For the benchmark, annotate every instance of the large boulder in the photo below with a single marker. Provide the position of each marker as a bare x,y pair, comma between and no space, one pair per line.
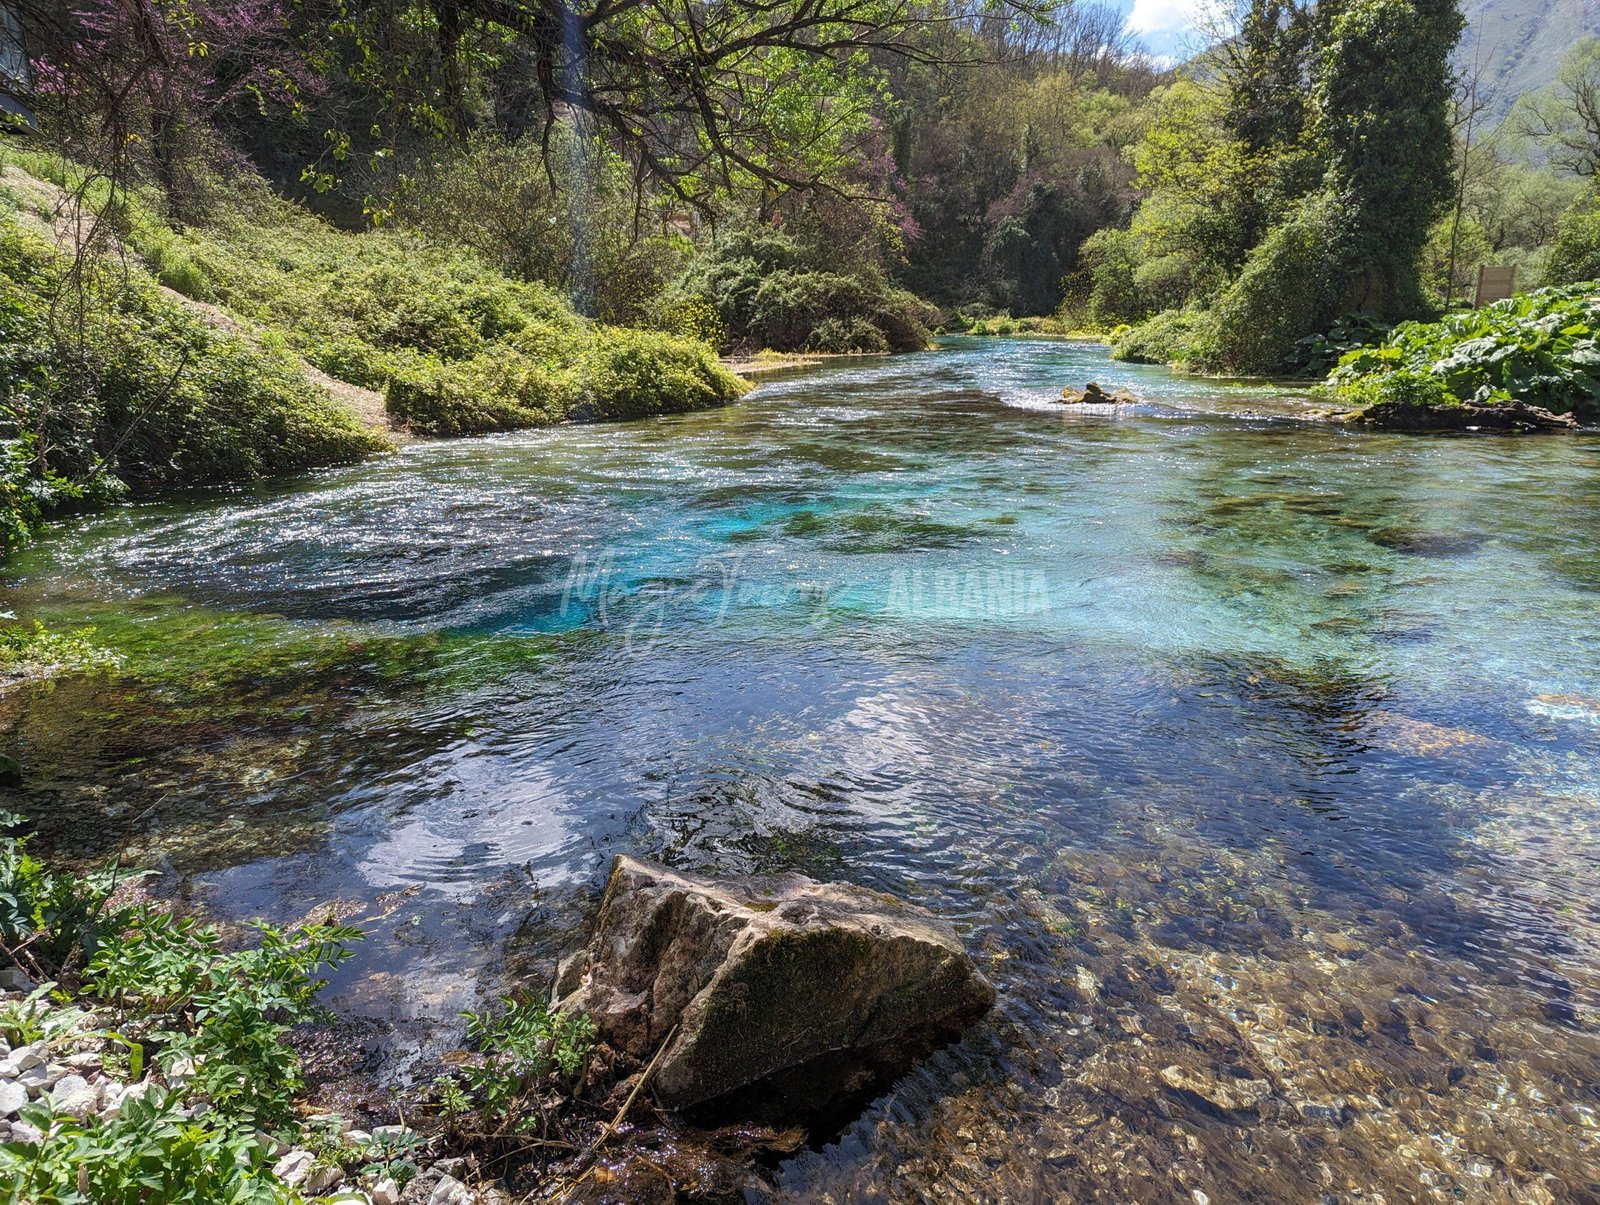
788,996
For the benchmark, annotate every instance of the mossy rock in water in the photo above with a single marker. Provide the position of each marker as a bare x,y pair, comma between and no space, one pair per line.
1500,417
786,998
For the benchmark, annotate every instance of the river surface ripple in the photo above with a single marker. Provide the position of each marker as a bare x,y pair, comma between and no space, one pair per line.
1256,760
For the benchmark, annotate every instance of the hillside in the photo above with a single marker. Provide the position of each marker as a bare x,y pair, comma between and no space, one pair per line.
1520,43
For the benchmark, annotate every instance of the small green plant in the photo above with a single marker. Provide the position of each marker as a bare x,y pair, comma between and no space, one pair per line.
526,1056
49,921
36,1017
149,1151
220,1017
391,1154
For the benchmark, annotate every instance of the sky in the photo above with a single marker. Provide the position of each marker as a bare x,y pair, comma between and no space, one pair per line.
1166,27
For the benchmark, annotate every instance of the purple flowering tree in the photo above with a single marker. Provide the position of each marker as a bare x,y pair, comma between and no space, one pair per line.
148,82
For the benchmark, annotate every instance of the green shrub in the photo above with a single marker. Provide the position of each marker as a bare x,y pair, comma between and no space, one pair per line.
523,1052
844,335
50,921
767,294
1542,348
125,388
501,392
636,374
149,1151
1294,284
548,375
1575,255
1175,337
222,1014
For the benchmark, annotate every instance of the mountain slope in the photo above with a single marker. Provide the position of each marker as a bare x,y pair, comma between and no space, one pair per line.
1519,44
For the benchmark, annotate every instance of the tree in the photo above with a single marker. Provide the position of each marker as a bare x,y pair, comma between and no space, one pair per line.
152,79
1565,117
1382,102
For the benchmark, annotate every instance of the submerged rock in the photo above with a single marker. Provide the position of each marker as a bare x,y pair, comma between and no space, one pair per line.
784,995
1092,395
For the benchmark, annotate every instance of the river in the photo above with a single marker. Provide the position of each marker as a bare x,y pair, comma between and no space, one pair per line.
1255,759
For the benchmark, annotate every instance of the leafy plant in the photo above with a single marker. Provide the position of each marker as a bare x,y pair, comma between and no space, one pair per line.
526,1053
1317,354
149,1151
49,920
1542,348
221,1017
392,1154
36,1017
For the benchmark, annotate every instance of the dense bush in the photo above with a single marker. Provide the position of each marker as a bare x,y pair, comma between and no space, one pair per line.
107,386
1177,337
767,293
1294,284
1575,255
1542,348
599,374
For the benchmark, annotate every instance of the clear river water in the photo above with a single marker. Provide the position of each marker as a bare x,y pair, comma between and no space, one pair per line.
1257,760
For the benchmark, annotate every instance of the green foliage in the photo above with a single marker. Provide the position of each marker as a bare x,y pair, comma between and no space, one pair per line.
1177,337
1294,177
593,374
636,374
37,1017
50,920
1542,348
525,1053
457,347
566,215
106,387
1292,285
1316,355
149,1151
1575,256
1381,96
24,647
221,1014
767,293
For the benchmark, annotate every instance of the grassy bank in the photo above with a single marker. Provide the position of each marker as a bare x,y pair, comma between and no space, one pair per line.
116,386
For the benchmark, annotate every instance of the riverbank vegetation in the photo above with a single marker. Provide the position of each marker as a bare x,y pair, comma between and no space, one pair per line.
147,1054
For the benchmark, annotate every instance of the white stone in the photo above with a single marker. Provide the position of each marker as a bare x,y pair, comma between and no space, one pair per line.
39,1078
21,1131
73,1094
294,1167
450,1191
84,1060
357,1138
321,1177
389,1132
12,1097
24,1057
386,1191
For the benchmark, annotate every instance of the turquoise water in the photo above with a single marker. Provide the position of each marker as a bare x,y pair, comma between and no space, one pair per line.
1256,759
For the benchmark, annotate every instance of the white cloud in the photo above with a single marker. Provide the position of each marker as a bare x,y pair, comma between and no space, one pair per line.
1166,16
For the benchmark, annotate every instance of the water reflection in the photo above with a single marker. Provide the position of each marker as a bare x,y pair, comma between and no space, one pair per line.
1256,760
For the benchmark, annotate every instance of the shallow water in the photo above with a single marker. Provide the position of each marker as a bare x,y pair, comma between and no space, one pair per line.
1256,760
